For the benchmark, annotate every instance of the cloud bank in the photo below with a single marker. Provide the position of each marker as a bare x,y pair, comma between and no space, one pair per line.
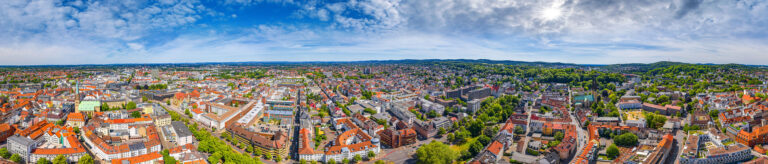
578,31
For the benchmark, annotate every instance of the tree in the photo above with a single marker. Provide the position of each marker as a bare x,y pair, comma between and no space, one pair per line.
60,159
43,161
484,140
358,158
144,99
519,130
332,161
371,155
130,105
4,153
345,161
302,161
136,114
532,152
476,128
432,114
257,152
476,148
626,140
379,162
441,131
85,159
278,158
559,136
435,152
16,158
612,151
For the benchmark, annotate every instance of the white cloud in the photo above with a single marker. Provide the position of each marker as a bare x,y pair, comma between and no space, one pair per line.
580,31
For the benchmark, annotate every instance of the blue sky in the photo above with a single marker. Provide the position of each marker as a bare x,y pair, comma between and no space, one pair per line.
574,31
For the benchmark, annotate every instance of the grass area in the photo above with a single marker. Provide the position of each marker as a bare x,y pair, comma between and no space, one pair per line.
465,146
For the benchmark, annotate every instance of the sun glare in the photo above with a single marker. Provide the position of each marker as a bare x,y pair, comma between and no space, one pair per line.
551,13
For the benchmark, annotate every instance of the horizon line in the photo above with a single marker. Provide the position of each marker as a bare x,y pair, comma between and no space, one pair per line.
354,61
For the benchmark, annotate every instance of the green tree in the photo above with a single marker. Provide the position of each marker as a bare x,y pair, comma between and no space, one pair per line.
43,161
441,131
484,140
371,155
358,158
435,153
16,158
612,151
345,161
476,148
60,122
332,161
559,136
136,114
626,140
130,105
476,128
278,158
379,162
532,152
519,130
302,161
60,159
4,153
144,99
85,159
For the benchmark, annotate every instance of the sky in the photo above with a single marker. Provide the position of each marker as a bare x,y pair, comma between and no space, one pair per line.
62,32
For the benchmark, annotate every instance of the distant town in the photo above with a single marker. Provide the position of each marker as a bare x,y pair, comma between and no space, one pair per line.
408,111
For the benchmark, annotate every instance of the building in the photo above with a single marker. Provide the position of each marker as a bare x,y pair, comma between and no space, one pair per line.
76,120
703,147
88,107
22,146
149,158
351,143
275,145
630,104
6,130
306,152
661,151
397,138
183,135
665,110
759,135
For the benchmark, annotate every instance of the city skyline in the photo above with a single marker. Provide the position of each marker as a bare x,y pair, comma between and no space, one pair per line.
71,32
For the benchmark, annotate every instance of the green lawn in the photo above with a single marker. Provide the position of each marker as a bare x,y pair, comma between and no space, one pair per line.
465,146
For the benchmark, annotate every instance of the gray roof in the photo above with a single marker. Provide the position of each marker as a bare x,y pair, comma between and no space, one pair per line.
21,140
181,129
136,146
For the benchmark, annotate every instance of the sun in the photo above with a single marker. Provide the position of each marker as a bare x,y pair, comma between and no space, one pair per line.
551,13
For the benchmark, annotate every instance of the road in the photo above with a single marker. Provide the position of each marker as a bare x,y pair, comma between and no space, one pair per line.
582,134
